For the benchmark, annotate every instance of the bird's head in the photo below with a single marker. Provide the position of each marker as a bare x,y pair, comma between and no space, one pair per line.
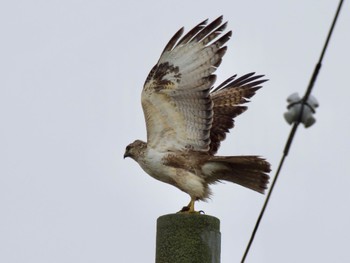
135,150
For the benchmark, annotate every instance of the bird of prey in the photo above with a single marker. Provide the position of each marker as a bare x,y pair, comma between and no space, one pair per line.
187,117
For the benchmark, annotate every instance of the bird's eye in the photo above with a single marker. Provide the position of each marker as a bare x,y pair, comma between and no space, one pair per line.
127,148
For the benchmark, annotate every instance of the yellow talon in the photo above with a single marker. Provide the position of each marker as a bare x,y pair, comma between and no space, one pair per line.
190,208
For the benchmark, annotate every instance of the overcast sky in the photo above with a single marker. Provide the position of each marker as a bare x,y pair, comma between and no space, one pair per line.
71,74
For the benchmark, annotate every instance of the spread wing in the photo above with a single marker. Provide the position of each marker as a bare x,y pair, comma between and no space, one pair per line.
227,104
176,101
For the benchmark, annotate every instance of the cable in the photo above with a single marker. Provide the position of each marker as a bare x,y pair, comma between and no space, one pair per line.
293,130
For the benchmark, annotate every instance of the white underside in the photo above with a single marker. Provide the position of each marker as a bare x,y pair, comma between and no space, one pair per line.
152,163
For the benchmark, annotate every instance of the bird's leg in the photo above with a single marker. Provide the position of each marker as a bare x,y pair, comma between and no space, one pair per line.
189,208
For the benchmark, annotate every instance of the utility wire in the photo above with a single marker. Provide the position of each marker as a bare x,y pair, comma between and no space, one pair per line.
293,130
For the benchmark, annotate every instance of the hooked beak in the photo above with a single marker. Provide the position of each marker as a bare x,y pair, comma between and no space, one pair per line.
126,154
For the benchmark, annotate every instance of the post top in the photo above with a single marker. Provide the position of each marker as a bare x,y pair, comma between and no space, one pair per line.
190,220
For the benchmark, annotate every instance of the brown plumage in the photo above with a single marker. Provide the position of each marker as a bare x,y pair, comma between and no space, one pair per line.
187,118
227,99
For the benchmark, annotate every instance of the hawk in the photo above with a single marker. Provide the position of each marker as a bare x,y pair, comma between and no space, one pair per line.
187,117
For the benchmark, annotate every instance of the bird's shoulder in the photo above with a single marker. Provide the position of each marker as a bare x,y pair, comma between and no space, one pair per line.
185,159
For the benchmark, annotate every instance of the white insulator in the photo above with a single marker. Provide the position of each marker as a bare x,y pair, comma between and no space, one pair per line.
295,107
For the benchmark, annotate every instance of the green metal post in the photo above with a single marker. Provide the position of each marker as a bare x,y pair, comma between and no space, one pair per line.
188,238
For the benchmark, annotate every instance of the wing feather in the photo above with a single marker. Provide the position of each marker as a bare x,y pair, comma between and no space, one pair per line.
227,104
176,98
173,40
209,30
192,33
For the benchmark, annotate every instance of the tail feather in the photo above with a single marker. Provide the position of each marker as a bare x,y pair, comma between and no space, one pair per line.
248,171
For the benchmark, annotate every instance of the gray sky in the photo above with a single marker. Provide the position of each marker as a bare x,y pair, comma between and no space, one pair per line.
71,78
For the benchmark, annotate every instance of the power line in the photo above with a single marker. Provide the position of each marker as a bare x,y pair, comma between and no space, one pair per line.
293,130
